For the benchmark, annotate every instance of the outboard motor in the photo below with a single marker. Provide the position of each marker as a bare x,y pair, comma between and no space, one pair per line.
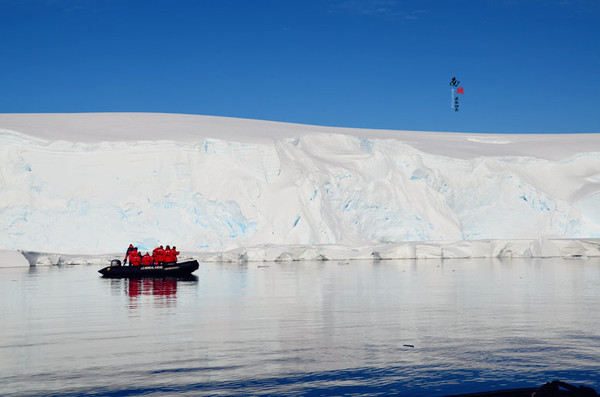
115,262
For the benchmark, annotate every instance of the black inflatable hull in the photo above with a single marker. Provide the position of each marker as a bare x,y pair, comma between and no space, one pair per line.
178,269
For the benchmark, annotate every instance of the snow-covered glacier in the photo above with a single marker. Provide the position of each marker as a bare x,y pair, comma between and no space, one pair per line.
93,183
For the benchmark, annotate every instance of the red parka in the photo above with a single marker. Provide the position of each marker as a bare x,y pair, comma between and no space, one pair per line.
135,259
128,253
174,254
146,260
171,255
159,255
168,255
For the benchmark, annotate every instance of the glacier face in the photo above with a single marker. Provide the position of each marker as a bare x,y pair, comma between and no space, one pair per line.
309,188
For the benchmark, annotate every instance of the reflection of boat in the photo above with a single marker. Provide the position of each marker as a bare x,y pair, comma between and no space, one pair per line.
177,269
158,286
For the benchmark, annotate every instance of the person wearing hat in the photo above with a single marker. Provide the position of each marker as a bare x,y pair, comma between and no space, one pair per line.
146,260
158,255
174,253
135,258
128,254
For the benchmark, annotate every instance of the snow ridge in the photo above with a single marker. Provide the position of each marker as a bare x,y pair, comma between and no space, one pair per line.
276,184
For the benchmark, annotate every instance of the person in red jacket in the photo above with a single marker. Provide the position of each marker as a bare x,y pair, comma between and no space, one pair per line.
135,258
133,255
168,255
175,253
146,260
128,254
159,255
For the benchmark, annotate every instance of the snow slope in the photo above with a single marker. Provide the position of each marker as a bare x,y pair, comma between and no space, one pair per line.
92,183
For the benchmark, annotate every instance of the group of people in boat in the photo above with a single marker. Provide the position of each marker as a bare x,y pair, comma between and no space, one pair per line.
159,256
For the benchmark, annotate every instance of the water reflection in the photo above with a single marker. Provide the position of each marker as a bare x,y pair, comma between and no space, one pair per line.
151,286
162,291
302,328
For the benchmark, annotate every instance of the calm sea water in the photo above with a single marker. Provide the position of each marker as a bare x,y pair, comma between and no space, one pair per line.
306,329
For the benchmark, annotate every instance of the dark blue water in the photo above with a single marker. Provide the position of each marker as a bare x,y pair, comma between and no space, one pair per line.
306,329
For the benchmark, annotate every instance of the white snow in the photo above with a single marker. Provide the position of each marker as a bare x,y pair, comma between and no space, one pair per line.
244,189
12,259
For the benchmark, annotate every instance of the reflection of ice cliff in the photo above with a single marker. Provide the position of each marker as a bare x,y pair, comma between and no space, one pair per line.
93,183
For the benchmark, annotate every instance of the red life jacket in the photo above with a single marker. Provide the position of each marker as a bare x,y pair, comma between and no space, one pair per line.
146,260
160,255
168,255
128,253
136,260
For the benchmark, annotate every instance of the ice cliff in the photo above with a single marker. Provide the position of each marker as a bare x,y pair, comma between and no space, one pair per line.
93,183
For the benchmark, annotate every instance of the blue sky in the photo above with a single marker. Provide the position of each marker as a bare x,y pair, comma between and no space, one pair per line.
526,66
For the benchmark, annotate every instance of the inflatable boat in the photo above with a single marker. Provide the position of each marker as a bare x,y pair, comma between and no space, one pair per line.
176,269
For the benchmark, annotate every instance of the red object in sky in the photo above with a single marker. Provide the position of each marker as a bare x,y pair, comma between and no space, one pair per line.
459,90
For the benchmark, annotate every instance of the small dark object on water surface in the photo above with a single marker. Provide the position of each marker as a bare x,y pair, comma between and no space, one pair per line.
411,346
558,388
550,389
174,269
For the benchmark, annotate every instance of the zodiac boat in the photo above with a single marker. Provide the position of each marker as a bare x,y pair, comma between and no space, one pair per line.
175,269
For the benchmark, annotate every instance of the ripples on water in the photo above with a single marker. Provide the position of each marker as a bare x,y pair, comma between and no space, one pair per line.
303,328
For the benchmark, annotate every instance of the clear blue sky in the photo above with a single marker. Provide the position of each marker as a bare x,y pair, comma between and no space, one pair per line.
526,66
